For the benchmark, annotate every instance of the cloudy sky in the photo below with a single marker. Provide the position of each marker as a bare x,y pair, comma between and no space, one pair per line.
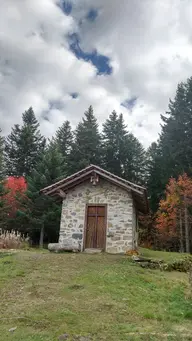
61,56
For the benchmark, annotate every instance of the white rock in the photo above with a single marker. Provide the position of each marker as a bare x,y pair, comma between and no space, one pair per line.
12,329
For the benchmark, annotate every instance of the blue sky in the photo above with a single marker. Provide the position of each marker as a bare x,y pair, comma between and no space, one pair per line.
66,7
101,62
62,56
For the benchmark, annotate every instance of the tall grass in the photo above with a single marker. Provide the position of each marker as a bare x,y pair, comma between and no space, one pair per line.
13,240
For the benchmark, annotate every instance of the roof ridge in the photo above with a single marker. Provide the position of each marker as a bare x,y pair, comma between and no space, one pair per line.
118,177
86,169
68,177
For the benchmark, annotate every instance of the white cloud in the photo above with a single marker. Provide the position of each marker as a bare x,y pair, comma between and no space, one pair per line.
148,43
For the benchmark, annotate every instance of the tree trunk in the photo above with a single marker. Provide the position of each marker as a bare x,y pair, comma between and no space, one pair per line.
181,231
186,228
41,237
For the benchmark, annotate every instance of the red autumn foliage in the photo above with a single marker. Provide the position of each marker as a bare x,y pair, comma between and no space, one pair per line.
178,194
167,215
15,190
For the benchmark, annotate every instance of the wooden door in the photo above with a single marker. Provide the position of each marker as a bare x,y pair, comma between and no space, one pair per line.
96,227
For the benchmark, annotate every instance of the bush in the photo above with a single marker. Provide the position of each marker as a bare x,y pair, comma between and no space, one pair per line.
181,265
13,240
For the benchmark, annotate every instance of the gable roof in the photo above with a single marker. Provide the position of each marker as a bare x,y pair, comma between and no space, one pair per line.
139,193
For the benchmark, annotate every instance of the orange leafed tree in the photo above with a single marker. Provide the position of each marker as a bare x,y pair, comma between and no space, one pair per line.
173,219
15,189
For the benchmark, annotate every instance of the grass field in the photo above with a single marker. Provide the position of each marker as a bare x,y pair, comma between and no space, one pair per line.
101,297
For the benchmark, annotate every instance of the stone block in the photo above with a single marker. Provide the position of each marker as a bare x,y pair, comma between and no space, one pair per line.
77,235
112,250
109,244
67,246
127,237
110,234
115,238
113,197
128,225
119,242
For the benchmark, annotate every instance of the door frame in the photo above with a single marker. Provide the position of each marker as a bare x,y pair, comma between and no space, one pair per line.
86,221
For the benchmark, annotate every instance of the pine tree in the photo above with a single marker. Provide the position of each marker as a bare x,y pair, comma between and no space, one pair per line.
24,146
43,212
176,135
4,206
64,140
173,152
134,163
123,154
113,138
86,148
154,175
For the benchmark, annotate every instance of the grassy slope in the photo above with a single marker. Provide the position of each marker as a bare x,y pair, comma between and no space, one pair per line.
165,256
105,296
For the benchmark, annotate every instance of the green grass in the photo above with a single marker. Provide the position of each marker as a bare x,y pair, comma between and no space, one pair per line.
105,297
165,256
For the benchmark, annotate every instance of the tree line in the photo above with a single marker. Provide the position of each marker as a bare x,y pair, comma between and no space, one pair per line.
26,153
169,161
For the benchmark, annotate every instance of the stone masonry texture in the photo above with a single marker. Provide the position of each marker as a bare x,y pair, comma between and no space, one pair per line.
120,232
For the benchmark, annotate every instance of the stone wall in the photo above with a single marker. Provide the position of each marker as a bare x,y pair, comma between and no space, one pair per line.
119,215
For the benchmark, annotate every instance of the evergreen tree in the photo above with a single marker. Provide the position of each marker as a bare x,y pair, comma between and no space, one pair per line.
123,154
114,137
154,175
64,139
134,163
43,212
172,155
176,135
4,206
86,148
24,146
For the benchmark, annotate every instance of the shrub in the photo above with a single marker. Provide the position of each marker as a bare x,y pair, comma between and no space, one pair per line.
132,252
181,265
13,240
